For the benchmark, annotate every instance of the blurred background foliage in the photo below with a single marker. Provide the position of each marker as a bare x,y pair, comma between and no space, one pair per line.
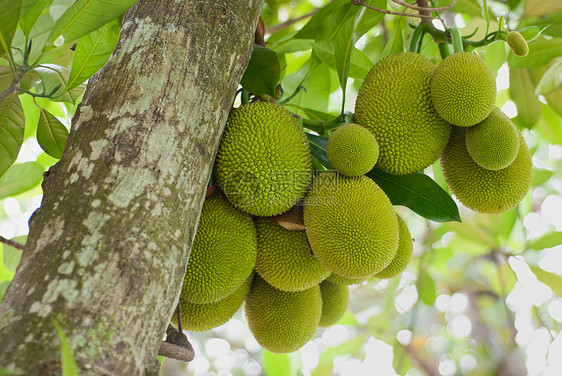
481,297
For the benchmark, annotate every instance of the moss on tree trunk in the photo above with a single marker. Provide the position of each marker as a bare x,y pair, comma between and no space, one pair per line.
107,250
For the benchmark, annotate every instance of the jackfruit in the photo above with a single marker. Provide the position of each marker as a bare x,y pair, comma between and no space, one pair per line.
264,164
282,321
198,317
482,190
335,299
493,144
403,255
339,280
351,225
517,43
395,104
285,260
463,89
352,150
223,254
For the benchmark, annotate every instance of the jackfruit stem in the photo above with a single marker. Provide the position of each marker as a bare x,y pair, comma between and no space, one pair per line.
417,38
444,49
323,126
457,39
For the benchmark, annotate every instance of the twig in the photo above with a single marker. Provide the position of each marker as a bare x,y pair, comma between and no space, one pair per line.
418,8
176,346
414,15
12,243
290,22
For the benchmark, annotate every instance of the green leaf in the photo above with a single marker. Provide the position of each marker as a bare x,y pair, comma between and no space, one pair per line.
322,20
541,52
521,91
263,72
92,52
12,256
6,77
419,193
531,33
346,37
551,79
53,76
318,149
426,288
484,12
396,42
31,11
85,16
69,367
359,64
554,281
19,178
51,134
5,371
9,15
541,176
548,240
12,122
280,364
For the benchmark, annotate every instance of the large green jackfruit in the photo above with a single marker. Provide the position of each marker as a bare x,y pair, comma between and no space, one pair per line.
264,164
493,143
403,255
394,103
339,280
223,254
198,317
335,299
282,321
352,150
285,260
463,89
482,190
351,225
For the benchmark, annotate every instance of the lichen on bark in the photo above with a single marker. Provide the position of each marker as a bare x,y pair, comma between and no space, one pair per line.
107,250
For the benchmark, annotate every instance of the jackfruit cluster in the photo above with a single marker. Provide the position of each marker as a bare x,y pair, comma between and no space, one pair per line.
409,113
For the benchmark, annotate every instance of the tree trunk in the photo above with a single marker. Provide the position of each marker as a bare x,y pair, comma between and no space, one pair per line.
107,250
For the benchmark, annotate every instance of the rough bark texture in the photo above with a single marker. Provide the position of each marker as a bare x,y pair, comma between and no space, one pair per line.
107,250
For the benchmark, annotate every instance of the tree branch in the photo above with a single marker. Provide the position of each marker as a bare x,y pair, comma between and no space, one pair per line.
414,15
419,8
290,22
12,243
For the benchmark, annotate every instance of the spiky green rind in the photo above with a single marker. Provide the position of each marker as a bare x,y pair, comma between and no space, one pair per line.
352,150
335,299
264,164
395,104
223,254
403,255
199,317
285,260
463,89
282,321
493,143
350,224
517,43
339,280
482,190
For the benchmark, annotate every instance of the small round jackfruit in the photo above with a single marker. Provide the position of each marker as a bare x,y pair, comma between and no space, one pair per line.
352,150
350,224
493,143
517,43
282,321
285,260
223,254
264,164
402,259
395,104
199,317
482,190
335,299
463,89
339,280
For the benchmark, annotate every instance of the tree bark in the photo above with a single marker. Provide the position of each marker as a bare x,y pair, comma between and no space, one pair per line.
107,250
